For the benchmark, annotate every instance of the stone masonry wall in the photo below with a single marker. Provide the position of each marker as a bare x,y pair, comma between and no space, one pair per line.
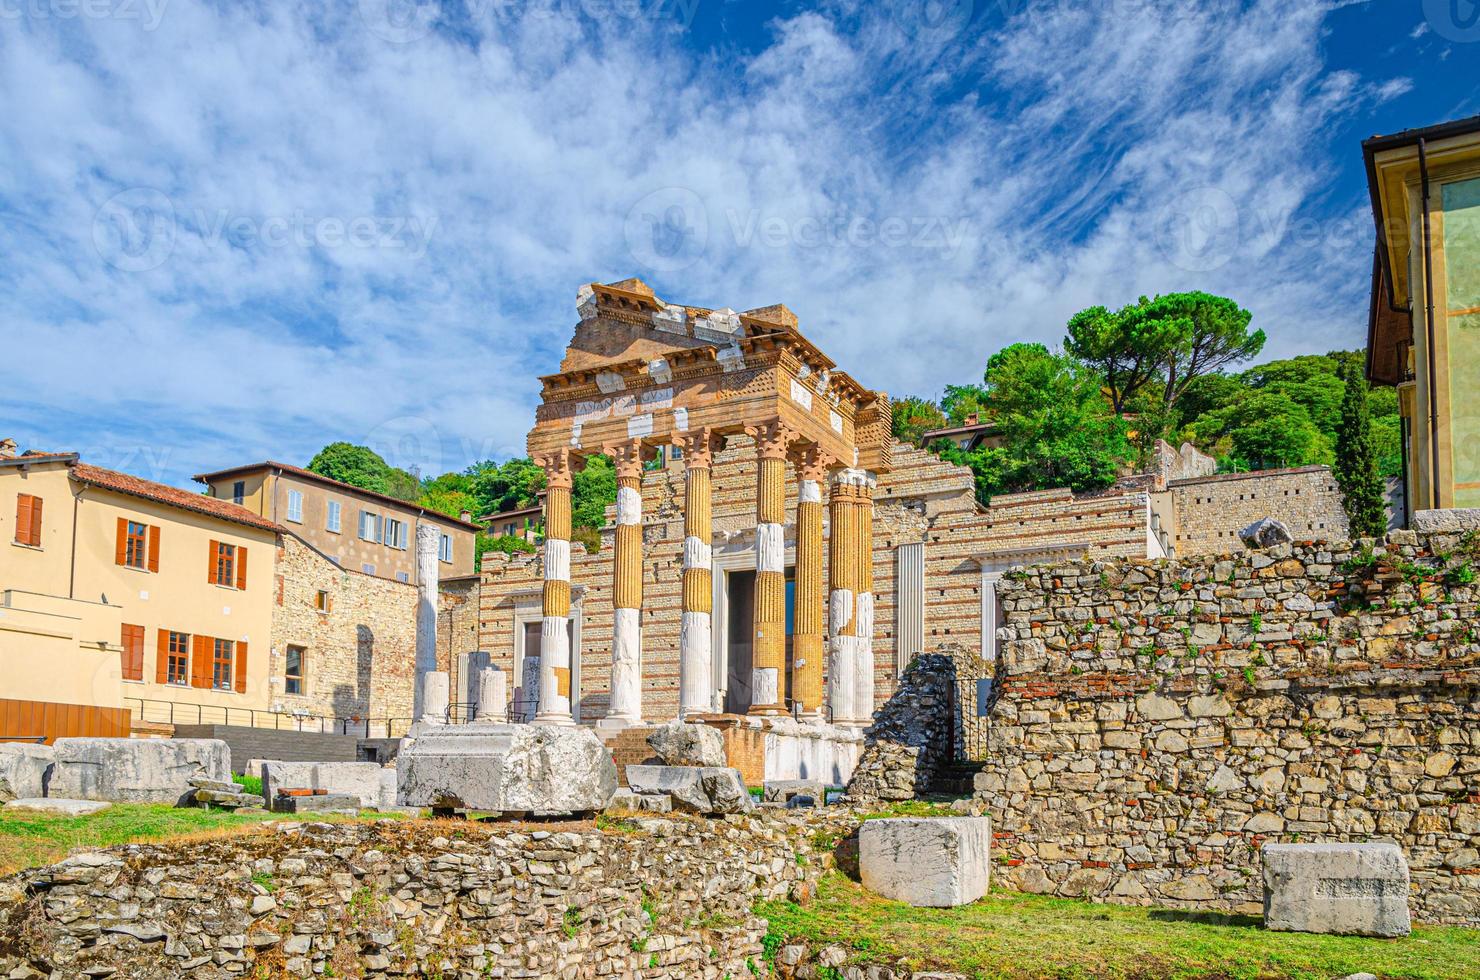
1211,510
360,653
667,898
923,500
1157,722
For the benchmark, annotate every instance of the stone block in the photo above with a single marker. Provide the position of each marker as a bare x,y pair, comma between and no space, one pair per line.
782,790
1266,533
23,769
324,803
625,799
362,780
1344,889
507,769
937,862
61,807
698,789
679,743
136,770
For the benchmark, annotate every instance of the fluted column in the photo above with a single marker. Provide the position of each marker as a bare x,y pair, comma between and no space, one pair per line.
863,529
843,574
555,692
768,650
696,652
806,640
626,683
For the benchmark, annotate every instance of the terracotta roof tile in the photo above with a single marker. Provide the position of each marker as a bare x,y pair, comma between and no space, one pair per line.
173,496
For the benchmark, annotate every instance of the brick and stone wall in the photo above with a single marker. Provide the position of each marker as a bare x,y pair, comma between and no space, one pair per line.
360,652
657,899
922,501
1157,722
1211,510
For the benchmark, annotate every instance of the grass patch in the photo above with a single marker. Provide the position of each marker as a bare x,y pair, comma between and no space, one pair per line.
249,784
28,840
1010,935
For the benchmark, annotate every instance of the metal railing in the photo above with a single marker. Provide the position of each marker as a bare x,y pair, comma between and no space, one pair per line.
185,713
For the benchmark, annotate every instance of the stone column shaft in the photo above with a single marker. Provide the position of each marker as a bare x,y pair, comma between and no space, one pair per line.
863,529
428,537
626,676
842,630
555,687
806,640
696,664
768,648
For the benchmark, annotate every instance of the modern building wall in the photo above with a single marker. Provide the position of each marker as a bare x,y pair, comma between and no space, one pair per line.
59,650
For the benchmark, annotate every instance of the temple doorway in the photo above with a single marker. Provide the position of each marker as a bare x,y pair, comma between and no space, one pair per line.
739,596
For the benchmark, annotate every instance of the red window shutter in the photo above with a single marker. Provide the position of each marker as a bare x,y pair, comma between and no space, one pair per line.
215,549
200,662
162,658
239,664
133,652
35,529
153,548
23,518
120,544
241,567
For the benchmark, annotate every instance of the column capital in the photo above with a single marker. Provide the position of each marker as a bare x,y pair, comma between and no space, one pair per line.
813,463
559,467
771,438
699,447
628,457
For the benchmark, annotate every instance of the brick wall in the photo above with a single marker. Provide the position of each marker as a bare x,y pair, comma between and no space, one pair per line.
922,500
1157,722
1210,511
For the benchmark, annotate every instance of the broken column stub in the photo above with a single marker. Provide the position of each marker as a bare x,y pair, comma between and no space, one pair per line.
506,768
697,789
1344,889
681,743
934,862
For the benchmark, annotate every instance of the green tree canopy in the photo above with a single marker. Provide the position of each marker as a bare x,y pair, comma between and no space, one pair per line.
593,490
1131,347
960,402
363,467
913,417
1356,459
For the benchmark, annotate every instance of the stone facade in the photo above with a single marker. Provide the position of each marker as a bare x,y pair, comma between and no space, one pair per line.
659,898
912,737
922,502
1207,512
1157,722
358,640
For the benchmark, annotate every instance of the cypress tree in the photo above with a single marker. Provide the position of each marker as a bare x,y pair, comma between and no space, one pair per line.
1362,490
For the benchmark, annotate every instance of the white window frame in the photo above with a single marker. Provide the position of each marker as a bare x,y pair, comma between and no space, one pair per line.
375,526
444,548
295,506
395,533
333,517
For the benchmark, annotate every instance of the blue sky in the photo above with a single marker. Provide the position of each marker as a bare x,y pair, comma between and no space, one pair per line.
232,231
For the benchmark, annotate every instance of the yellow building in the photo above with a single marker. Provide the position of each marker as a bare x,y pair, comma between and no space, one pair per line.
119,591
1424,325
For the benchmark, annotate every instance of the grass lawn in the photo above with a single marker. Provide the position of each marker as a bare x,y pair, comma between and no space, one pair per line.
31,839
1013,935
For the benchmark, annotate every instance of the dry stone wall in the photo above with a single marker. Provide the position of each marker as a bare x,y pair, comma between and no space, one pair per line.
1157,722
668,898
1209,511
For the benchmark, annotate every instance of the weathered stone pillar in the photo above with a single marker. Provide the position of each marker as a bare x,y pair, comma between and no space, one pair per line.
428,537
806,640
863,529
436,687
555,692
493,695
626,676
843,573
696,664
768,649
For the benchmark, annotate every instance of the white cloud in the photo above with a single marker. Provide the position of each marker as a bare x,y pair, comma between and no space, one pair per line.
919,192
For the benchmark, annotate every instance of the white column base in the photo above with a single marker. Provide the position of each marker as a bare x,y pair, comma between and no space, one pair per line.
554,707
695,666
626,700
841,670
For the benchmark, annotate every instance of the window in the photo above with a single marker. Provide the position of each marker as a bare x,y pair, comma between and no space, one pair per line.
368,568
221,665
293,675
322,602
135,543
295,506
133,652
395,533
369,526
28,520
403,577
331,523
227,566
509,528
176,668
444,548
239,491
